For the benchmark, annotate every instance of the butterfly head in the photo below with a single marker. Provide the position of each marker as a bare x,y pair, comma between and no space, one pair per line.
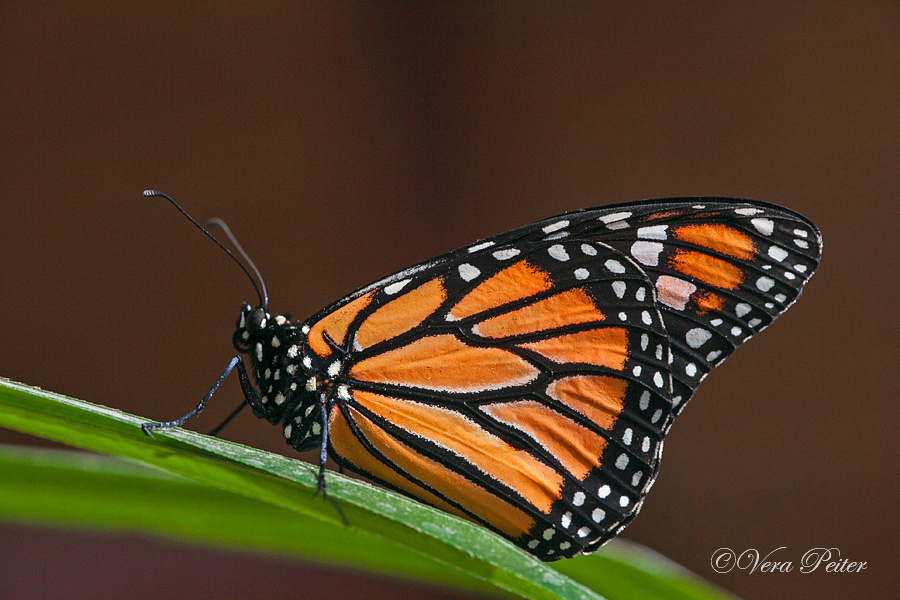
251,325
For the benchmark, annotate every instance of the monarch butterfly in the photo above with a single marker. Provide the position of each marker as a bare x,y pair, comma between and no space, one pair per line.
527,381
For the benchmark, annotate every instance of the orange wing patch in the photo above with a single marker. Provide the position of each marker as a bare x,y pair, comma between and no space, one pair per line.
708,301
335,324
444,363
512,283
577,448
607,347
707,269
535,481
567,308
499,513
401,314
598,397
345,444
721,238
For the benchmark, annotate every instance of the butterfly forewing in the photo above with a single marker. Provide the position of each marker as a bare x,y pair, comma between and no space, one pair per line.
527,381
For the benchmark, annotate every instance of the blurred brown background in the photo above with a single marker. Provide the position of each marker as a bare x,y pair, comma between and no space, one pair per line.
345,141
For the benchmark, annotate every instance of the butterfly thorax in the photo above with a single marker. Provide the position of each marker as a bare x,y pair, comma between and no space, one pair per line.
284,374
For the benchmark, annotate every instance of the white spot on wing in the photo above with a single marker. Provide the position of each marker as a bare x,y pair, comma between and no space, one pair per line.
396,287
647,253
742,309
334,368
764,226
615,217
697,337
765,283
468,272
778,253
581,274
801,243
556,226
506,254
747,212
480,246
619,288
578,498
644,402
674,292
653,232
589,250
558,252
614,266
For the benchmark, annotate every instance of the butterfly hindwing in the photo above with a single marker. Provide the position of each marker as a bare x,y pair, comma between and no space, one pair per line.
527,381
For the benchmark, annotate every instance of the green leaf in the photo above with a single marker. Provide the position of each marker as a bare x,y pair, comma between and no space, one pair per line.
231,495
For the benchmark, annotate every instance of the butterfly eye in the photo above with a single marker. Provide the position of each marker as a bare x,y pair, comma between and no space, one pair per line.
256,321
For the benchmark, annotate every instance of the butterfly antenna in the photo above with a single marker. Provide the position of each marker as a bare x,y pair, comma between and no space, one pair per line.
263,299
216,222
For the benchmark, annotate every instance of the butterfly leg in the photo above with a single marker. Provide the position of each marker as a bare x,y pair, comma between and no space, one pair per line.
321,486
251,395
150,426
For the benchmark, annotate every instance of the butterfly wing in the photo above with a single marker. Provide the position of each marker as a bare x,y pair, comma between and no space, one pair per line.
527,381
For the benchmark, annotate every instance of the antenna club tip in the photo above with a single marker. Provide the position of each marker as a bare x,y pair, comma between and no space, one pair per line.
151,193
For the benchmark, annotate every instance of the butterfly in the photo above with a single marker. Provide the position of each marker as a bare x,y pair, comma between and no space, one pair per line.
527,381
